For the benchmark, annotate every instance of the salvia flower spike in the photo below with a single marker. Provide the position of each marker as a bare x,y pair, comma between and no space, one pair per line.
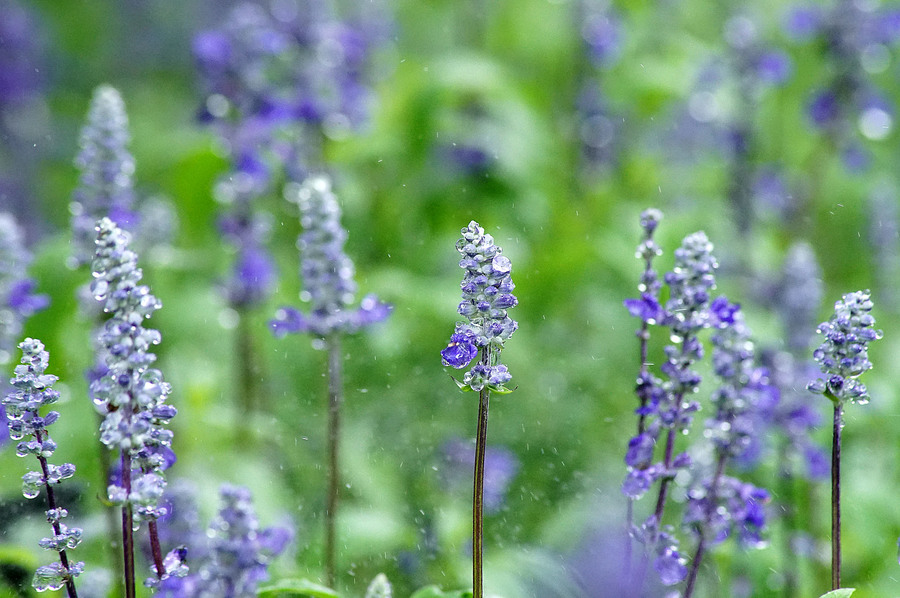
32,390
328,273
842,357
131,395
17,300
486,296
105,185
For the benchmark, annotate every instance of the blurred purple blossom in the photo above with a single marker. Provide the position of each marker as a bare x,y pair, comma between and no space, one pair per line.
106,172
231,558
293,73
500,467
327,272
17,299
847,106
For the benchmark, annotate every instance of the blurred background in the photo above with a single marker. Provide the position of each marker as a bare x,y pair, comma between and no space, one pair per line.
553,123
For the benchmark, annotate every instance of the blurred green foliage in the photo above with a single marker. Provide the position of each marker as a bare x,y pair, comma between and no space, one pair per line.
570,233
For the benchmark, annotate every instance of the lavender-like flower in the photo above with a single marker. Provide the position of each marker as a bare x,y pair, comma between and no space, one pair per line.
17,299
719,504
843,357
326,270
131,395
598,129
232,558
105,185
23,44
329,287
848,104
487,295
276,81
500,467
665,404
32,390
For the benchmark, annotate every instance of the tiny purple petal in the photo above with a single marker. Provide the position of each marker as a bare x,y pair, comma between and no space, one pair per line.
459,354
288,319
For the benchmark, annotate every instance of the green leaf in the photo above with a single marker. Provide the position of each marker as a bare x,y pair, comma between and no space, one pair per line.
296,588
839,593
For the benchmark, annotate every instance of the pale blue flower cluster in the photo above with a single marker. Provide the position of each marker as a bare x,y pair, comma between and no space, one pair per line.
131,395
105,184
32,390
844,354
487,295
17,300
327,272
231,558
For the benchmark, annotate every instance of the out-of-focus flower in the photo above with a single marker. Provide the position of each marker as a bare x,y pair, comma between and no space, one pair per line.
105,184
500,467
231,558
17,299
327,272
847,106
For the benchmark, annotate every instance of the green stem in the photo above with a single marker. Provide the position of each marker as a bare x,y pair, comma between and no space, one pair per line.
127,527
836,497
789,521
478,498
704,526
112,527
335,397
246,360
57,529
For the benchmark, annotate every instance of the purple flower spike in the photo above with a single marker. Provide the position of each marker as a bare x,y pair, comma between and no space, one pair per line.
32,391
327,272
130,394
105,186
487,295
17,301
843,356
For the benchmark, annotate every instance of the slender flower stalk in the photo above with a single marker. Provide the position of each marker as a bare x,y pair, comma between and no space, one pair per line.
649,288
719,505
32,389
487,295
105,189
668,409
330,289
843,356
335,398
131,395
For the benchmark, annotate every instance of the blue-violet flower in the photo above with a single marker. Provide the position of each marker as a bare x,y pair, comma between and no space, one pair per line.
327,272
486,296
131,395
843,356
32,390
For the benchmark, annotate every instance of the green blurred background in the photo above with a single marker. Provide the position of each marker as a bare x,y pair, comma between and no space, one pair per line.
504,76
